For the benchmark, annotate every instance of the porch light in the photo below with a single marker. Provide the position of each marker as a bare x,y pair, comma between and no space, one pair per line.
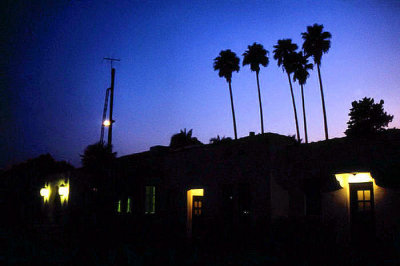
347,178
63,191
45,193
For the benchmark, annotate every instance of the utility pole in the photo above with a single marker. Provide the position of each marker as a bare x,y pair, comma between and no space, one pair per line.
111,100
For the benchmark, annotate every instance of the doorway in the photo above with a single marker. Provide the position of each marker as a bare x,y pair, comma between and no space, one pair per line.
362,212
195,212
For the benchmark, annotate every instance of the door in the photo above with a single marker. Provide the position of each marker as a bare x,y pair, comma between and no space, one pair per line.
197,216
362,212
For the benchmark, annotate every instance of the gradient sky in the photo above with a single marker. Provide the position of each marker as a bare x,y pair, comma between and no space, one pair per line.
55,79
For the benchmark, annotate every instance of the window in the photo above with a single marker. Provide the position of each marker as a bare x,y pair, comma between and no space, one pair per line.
119,206
128,206
150,200
363,200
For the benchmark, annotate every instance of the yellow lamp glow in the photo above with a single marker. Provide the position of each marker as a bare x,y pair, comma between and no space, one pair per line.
106,123
45,193
63,191
190,194
346,178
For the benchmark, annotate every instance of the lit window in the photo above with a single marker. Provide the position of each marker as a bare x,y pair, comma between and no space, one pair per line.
363,200
119,206
128,206
150,200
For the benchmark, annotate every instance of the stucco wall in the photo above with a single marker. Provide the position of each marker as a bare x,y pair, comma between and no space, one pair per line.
336,210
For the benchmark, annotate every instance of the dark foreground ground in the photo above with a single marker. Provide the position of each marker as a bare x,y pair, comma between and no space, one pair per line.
52,245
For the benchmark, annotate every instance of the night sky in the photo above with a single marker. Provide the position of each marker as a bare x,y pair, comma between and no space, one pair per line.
53,76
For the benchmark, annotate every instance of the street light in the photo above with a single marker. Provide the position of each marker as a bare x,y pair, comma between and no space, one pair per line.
106,123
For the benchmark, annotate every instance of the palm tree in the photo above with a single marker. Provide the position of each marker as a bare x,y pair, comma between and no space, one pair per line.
284,52
255,56
316,43
226,63
301,74
183,139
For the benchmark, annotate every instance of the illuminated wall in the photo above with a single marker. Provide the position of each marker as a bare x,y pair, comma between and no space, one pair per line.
190,194
336,204
358,177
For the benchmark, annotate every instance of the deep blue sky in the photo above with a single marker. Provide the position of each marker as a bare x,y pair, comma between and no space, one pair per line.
55,79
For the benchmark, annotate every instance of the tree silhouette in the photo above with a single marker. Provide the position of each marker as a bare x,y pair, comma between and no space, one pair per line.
183,139
301,74
97,157
255,56
285,54
316,43
226,63
367,118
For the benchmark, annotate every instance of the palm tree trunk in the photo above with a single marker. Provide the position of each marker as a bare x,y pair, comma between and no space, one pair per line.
304,114
233,110
259,100
294,108
323,103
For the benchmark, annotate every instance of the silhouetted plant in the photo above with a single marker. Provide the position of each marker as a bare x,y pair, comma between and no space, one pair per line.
285,54
226,63
316,43
255,56
219,140
183,139
97,157
367,118
301,74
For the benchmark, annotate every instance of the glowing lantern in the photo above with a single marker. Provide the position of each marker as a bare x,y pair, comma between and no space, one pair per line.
45,193
63,191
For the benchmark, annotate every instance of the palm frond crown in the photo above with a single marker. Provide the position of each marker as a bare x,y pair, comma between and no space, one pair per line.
301,66
316,42
282,53
255,55
226,63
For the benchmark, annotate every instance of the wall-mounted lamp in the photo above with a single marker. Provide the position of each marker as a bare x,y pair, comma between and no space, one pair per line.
63,191
45,193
